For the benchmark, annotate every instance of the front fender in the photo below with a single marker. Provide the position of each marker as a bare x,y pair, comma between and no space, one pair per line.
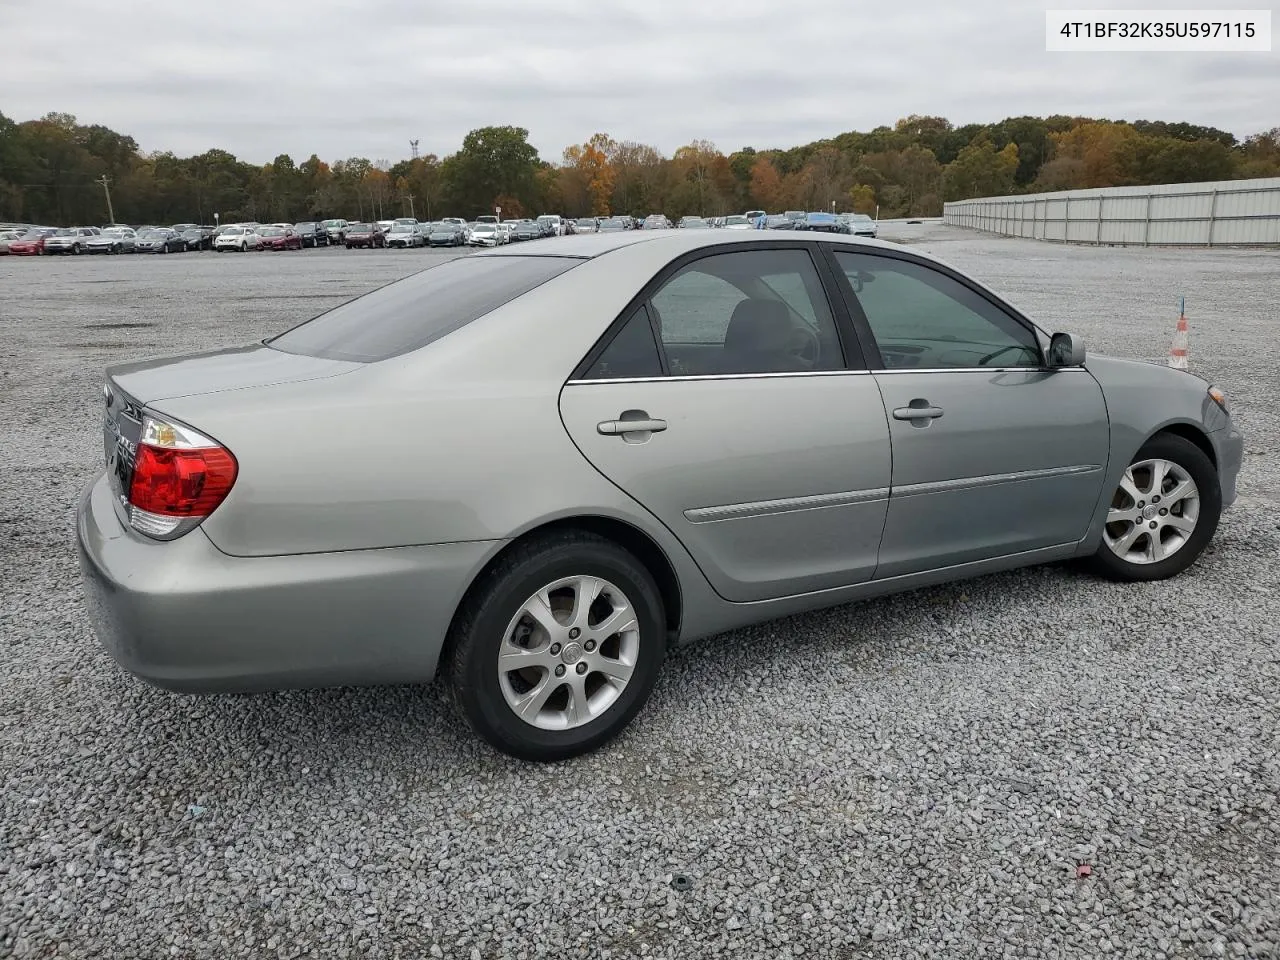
1142,400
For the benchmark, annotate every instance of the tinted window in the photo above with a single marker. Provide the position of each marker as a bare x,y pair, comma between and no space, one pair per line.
759,311
923,318
413,312
632,353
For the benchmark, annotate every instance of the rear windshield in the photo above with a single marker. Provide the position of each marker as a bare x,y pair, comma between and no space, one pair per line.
419,309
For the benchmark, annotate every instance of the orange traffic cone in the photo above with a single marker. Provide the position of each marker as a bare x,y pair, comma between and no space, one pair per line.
1178,352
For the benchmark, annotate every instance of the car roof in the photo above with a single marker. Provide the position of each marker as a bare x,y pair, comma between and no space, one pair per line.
589,245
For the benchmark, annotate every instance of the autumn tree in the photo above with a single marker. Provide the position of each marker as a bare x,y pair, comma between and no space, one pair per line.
1106,153
641,178
981,171
766,185
1260,155
694,165
862,198
589,176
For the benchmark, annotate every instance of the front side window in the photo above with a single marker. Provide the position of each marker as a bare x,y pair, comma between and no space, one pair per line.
757,311
923,319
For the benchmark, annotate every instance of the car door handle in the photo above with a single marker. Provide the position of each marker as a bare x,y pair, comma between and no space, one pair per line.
921,412
615,428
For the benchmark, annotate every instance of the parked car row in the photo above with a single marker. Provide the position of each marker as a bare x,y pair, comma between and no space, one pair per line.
401,233
114,238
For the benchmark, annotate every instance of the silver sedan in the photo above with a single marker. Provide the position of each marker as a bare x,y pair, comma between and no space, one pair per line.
535,474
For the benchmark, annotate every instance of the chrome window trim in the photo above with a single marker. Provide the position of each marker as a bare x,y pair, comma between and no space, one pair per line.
824,373
765,508
723,376
1036,369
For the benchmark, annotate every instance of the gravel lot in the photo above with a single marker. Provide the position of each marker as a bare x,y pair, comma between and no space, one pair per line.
921,776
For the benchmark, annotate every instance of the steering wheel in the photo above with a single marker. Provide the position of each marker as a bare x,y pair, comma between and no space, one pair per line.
991,356
805,345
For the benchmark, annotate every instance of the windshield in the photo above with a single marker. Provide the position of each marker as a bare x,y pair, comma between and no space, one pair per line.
271,232
233,231
419,309
146,234
402,228
587,222
65,232
359,228
737,219
334,223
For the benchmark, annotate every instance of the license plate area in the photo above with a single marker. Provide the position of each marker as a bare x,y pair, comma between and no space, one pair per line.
121,429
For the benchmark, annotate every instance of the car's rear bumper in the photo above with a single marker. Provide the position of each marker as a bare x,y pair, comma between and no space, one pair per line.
185,616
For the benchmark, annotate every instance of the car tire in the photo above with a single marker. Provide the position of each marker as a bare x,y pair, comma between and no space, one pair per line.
493,618
1132,550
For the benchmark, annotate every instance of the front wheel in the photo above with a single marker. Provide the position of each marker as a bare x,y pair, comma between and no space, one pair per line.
1162,515
558,647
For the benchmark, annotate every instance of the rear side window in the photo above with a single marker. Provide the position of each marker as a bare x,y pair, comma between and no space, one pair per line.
632,353
417,310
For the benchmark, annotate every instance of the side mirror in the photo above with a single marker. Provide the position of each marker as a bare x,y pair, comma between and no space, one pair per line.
1066,350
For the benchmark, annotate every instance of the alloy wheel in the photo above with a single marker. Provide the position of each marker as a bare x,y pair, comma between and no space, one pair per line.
1153,513
569,653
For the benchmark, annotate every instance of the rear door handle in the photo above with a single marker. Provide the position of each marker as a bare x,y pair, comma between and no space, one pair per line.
615,428
921,412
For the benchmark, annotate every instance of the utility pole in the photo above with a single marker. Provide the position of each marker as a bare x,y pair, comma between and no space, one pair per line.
111,215
409,197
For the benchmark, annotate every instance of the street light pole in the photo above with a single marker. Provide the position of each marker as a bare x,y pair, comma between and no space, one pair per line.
409,197
111,214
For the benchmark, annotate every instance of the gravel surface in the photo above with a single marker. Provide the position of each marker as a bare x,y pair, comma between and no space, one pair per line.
1035,764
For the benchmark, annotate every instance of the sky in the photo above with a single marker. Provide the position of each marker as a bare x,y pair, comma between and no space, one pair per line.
345,78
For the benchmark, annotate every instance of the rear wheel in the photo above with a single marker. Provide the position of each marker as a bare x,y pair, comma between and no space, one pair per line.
558,647
1162,515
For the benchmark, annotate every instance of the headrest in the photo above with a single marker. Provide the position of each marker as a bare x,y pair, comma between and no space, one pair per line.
758,326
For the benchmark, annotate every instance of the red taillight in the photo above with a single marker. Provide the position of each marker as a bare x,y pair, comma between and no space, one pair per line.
181,483
179,478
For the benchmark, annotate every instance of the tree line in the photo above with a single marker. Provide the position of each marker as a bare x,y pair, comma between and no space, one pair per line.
51,172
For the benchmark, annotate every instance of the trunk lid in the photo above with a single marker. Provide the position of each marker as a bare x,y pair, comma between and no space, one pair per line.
237,368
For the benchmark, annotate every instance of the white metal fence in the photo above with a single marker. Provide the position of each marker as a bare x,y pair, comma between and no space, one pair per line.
1226,212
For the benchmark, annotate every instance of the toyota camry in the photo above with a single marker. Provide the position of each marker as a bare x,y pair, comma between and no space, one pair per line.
535,473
